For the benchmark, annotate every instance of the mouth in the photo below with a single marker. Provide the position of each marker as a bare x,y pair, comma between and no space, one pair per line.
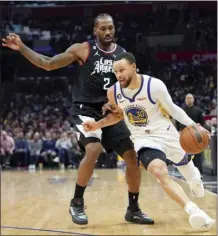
122,81
108,38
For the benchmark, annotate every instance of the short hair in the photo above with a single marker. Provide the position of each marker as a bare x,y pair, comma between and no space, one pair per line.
126,55
100,16
189,94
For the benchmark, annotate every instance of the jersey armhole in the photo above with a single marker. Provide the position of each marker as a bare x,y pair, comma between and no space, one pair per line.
115,93
87,53
149,91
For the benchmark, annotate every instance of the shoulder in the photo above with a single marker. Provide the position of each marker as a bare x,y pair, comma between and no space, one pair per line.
79,51
110,91
154,83
198,109
121,49
76,47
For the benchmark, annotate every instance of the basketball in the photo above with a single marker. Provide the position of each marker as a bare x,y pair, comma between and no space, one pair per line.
194,139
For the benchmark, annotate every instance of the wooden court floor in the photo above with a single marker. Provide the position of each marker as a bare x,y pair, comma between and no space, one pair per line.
37,204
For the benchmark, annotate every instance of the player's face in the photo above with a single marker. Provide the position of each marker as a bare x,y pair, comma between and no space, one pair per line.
189,100
105,30
124,72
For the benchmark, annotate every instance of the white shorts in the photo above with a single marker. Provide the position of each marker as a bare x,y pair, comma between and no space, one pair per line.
164,140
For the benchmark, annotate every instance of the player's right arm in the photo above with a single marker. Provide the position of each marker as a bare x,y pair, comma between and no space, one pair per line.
112,118
72,54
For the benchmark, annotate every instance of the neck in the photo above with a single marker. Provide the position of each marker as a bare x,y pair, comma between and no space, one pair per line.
136,82
105,47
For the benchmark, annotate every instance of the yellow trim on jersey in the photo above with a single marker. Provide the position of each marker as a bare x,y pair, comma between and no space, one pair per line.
163,111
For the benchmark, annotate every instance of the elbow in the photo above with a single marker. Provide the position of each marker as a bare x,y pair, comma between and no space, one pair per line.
47,68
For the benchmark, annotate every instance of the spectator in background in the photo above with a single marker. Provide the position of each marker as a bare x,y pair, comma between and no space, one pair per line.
21,150
196,115
6,150
63,145
75,153
48,148
213,111
35,146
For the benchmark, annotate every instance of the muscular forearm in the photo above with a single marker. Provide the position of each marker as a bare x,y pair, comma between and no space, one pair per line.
34,57
47,63
109,120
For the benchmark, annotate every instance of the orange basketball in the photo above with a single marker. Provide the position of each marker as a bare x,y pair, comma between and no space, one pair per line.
194,139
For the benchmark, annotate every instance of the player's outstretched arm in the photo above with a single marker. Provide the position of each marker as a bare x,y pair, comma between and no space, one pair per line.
14,42
110,119
160,93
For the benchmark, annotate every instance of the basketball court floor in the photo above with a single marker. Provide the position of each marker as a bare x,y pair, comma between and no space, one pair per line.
37,204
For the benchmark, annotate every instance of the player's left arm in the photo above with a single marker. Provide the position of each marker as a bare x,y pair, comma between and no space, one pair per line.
160,93
111,118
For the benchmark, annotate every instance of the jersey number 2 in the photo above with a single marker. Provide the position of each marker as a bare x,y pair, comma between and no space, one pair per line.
106,83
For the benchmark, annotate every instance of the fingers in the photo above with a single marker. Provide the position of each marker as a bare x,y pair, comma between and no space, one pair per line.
10,36
13,35
5,42
209,134
5,45
85,127
105,108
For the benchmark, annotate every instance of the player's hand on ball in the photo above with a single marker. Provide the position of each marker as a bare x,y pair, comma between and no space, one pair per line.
12,41
89,126
202,128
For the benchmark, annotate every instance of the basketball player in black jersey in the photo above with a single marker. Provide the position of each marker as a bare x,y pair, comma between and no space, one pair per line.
89,94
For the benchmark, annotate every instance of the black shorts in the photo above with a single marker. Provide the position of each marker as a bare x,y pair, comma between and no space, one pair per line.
147,155
113,138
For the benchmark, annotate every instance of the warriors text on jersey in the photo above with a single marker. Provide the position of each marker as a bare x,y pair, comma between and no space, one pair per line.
95,77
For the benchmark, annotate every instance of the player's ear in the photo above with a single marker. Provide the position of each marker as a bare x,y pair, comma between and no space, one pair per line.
134,66
94,32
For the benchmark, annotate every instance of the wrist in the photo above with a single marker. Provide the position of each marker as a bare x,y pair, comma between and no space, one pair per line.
100,124
21,47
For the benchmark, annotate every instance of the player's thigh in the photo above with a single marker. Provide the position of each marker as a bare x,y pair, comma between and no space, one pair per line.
87,140
152,158
176,154
117,138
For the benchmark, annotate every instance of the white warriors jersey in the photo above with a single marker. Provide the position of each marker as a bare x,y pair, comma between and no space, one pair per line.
147,120
141,113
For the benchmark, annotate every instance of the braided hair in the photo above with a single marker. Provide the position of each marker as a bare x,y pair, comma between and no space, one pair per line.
100,16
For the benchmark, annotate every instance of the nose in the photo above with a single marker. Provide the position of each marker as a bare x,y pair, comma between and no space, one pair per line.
108,32
118,75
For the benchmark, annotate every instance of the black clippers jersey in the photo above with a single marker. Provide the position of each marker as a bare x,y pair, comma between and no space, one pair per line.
95,76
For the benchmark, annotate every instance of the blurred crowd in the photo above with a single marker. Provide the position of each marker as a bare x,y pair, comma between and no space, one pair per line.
36,127
37,130
197,25
182,77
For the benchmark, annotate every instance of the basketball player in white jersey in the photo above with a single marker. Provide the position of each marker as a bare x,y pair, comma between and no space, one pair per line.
145,105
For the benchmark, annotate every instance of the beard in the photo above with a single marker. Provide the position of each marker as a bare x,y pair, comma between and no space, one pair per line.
106,43
128,82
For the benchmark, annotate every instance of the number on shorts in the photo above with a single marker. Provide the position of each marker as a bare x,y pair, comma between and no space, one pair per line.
106,83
